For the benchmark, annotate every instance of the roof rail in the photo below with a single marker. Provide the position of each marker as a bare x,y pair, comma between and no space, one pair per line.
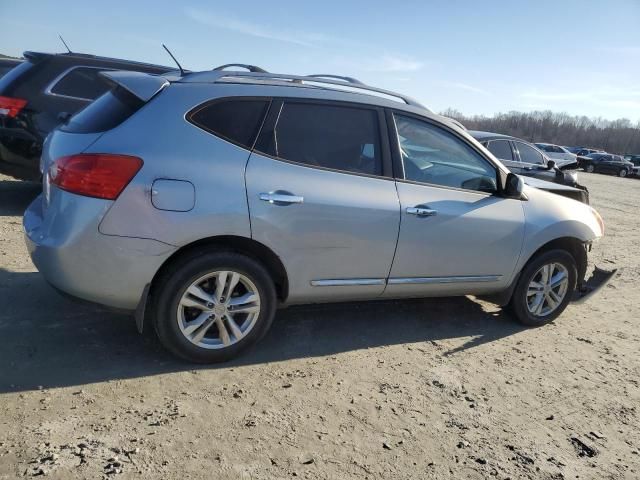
337,77
322,79
251,68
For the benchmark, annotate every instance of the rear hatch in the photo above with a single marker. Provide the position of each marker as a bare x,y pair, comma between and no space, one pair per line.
130,92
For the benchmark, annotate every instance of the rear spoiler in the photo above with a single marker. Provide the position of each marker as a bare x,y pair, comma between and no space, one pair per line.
142,85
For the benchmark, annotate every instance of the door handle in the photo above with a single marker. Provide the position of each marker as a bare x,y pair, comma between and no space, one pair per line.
422,211
281,198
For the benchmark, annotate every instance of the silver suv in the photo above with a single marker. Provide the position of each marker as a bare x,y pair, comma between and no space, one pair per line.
202,202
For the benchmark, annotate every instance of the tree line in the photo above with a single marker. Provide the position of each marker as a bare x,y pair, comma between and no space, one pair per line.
615,136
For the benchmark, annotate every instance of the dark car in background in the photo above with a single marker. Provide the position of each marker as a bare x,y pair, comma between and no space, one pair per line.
44,90
606,163
7,64
522,158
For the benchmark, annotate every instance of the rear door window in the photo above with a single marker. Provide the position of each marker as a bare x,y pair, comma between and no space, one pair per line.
328,136
237,120
83,83
501,149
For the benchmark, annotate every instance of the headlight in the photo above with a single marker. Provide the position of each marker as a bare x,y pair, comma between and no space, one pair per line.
573,175
598,218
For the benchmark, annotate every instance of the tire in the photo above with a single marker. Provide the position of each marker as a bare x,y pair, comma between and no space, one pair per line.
589,168
177,313
622,172
523,300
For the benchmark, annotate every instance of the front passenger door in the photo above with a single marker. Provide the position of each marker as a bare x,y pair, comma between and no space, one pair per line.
456,235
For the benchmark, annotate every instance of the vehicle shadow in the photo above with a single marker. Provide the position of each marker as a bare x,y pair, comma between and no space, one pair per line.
48,341
15,196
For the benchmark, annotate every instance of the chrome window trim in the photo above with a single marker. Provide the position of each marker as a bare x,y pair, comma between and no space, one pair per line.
427,280
347,282
55,81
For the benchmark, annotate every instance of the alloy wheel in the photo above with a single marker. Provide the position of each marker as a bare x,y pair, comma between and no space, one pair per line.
218,309
547,289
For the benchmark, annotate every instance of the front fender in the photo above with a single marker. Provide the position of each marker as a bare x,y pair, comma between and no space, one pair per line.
551,217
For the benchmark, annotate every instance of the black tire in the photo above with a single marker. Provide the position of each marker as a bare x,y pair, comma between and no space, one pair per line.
589,168
177,279
622,172
518,302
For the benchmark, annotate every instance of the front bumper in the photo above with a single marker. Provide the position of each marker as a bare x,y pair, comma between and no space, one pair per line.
66,247
598,280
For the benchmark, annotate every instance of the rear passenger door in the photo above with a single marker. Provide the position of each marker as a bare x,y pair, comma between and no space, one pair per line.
321,195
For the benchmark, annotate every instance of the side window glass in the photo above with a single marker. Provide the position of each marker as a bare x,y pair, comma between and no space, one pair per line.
83,83
235,120
501,149
327,136
432,155
529,154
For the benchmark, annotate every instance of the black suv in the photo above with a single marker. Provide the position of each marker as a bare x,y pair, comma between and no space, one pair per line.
7,64
606,163
41,92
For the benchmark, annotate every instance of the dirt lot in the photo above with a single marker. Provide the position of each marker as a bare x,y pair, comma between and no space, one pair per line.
449,388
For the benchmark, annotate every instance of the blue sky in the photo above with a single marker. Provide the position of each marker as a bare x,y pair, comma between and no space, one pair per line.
577,56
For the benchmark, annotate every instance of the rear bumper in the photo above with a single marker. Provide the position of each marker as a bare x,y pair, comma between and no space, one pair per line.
66,247
20,152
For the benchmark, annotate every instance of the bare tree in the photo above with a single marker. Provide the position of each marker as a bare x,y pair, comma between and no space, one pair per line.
615,136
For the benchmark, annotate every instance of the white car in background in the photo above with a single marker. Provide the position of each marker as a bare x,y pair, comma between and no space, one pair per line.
561,155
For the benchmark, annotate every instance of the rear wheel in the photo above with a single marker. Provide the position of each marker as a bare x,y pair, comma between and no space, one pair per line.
589,168
622,172
544,288
211,306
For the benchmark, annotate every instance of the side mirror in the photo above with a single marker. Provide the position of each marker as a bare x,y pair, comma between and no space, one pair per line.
514,185
551,164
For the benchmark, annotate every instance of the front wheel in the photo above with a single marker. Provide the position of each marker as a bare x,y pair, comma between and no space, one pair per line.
589,168
544,288
622,172
211,306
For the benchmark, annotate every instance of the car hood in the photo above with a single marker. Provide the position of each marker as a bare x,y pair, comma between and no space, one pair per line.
544,185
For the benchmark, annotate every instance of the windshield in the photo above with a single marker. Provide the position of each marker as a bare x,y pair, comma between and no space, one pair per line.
595,155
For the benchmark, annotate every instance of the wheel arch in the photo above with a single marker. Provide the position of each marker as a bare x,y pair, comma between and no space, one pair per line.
574,246
246,246
238,244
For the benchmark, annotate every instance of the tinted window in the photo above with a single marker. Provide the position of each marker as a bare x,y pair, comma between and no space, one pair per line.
528,154
336,137
236,120
82,82
107,112
432,155
501,149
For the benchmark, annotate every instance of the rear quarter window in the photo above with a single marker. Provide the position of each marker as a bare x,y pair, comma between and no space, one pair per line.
236,120
106,113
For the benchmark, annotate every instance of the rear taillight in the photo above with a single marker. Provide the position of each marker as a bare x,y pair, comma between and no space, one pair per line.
99,175
10,107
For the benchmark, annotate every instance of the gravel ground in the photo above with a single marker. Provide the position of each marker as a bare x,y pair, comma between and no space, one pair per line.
441,388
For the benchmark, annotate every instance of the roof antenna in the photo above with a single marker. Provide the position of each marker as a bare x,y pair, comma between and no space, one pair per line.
174,59
65,43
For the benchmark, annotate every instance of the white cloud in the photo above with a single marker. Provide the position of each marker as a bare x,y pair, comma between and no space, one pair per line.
395,63
611,97
468,88
305,39
621,50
